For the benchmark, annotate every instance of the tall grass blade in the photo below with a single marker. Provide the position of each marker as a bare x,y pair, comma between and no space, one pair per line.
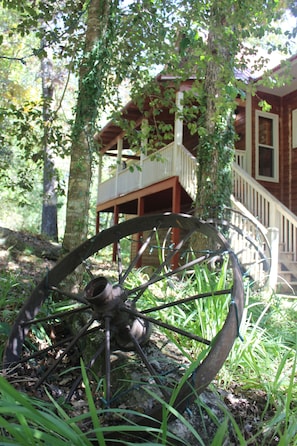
92,407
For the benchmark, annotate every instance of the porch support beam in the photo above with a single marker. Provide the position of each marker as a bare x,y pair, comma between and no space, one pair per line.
97,222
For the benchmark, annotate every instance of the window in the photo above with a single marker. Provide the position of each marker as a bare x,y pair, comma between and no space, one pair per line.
266,146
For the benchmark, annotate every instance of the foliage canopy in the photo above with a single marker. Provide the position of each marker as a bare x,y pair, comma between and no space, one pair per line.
211,40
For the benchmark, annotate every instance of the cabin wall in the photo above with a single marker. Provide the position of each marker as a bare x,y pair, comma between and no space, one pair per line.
275,103
240,121
289,103
286,189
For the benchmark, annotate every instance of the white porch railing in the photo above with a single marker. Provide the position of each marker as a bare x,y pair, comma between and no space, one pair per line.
169,163
270,212
186,170
262,205
240,158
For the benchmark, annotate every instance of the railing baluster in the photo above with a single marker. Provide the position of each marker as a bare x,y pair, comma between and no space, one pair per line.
269,210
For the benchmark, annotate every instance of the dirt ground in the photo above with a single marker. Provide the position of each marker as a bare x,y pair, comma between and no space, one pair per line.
29,257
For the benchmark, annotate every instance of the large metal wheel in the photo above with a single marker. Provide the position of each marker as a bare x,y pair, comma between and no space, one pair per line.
189,286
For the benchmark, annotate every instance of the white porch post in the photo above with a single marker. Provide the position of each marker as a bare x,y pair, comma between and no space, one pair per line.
178,129
273,237
119,163
248,133
100,167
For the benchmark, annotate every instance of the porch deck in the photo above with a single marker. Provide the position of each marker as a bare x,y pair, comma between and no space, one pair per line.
171,161
175,161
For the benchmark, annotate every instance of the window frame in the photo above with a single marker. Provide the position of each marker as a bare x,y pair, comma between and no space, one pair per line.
294,128
275,147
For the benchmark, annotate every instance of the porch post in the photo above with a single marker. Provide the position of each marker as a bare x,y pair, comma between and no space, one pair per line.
140,206
248,133
273,237
178,129
176,194
119,163
97,222
100,168
115,215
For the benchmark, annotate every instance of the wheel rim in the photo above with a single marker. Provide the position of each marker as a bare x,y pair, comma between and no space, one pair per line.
125,312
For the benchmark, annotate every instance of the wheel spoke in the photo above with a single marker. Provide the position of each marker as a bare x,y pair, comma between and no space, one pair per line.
63,354
118,309
77,297
59,315
87,268
186,300
166,263
140,252
55,346
148,365
120,263
168,326
90,364
177,270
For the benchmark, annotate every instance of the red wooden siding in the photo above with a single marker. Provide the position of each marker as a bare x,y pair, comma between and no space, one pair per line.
290,161
275,103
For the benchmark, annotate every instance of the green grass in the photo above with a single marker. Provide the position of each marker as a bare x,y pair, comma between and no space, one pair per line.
265,361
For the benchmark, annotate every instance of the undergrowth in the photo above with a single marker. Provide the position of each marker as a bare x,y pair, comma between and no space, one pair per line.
264,362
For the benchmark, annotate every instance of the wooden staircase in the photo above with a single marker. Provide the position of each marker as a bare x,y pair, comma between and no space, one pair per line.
273,217
263,217
287,273
260,215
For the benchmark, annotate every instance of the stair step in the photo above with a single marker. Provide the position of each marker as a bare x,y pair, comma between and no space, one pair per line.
287,256
288,266
287,274
286,287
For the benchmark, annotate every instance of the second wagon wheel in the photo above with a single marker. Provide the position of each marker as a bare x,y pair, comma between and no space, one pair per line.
188,286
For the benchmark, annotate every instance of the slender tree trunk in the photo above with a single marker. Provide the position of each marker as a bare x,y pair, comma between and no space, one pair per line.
49,226
216,141
90,90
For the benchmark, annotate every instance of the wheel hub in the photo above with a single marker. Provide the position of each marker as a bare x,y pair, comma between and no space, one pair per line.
109,301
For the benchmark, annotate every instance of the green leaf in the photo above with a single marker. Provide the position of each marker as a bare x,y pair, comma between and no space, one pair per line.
92,407
4,328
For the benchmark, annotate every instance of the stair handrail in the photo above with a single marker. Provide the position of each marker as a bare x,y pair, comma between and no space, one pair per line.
270,211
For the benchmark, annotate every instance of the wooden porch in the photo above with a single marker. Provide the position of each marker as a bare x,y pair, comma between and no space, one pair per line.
169,184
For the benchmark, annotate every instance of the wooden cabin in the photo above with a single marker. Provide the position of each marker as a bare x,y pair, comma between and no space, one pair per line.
264,171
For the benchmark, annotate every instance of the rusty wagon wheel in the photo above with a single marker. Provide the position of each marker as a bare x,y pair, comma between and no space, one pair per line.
188,286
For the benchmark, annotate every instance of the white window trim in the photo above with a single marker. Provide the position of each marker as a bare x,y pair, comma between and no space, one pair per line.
275,124
294,128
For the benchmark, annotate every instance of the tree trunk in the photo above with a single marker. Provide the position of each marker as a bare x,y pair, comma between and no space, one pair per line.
49,226
90,91
216,138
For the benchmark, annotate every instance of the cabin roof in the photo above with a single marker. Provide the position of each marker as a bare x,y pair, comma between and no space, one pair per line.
107,137
287,67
